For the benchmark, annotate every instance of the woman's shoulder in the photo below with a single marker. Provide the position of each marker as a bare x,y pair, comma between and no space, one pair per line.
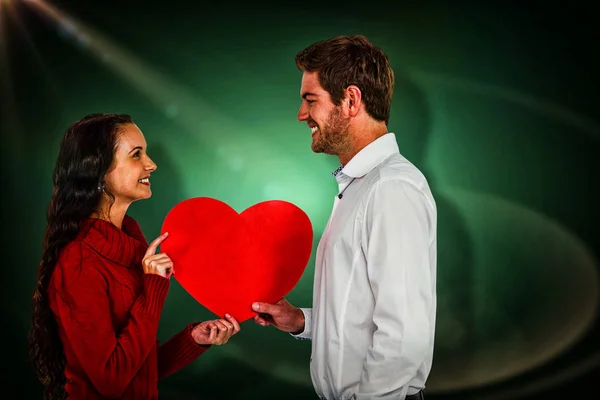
78,257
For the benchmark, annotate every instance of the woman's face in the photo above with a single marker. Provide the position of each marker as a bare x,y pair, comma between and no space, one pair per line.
128,179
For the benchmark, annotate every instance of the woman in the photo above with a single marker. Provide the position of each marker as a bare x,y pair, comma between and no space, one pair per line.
100,287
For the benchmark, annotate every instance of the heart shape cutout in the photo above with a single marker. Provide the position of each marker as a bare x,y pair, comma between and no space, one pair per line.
227,261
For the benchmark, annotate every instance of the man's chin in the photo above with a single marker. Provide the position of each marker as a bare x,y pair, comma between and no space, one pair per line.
317,148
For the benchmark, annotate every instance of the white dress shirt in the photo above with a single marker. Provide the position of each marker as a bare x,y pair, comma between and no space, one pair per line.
374,302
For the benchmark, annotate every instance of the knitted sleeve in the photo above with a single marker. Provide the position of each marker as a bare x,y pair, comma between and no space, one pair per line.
178,352
110,360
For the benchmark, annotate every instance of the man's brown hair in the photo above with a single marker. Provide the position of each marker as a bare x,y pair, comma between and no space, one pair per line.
352,60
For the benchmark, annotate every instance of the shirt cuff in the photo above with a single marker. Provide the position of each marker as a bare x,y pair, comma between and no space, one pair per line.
307,332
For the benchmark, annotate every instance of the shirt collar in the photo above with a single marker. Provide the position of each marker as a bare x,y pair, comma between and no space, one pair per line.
369,157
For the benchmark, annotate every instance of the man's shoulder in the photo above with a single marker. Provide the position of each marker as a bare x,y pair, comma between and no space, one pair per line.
397,168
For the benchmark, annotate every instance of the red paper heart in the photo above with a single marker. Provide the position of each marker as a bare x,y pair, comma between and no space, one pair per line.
227,260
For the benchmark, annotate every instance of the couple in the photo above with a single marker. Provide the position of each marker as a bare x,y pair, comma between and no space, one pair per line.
100,287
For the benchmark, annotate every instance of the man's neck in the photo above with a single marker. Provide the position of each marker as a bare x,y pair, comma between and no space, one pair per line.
361,138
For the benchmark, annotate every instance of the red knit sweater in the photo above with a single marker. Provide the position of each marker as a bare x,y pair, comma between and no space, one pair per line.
108,311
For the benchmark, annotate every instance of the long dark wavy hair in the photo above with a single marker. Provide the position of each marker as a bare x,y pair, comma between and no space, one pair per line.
85,156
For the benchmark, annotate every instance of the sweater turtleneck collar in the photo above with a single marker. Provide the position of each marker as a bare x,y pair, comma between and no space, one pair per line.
124,246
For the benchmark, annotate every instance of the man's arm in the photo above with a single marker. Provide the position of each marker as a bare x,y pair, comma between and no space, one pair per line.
398,228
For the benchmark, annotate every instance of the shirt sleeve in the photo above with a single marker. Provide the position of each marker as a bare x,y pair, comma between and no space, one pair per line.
307,332
110,360
398,233
178,352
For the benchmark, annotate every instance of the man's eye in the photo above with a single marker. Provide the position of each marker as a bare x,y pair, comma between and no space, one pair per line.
136,154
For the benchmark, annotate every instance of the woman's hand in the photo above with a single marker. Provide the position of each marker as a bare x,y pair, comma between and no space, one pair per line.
216,331
159,264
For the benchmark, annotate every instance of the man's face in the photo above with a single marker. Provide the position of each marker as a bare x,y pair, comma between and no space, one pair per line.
328,126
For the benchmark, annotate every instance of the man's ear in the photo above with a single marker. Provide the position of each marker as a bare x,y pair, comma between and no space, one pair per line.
354,99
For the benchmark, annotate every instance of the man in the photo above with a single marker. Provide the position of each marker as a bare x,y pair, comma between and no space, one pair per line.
374,301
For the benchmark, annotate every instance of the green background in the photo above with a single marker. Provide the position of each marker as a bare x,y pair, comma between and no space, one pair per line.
495,103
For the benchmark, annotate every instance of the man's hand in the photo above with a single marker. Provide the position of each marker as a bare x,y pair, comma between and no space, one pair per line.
282,315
